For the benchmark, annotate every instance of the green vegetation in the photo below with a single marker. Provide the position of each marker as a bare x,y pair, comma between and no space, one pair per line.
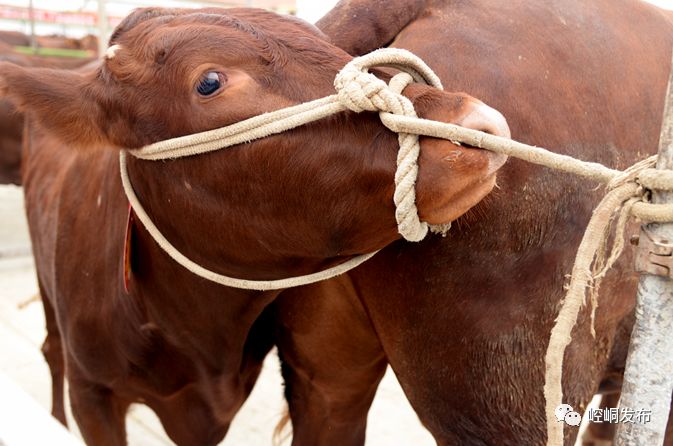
53,52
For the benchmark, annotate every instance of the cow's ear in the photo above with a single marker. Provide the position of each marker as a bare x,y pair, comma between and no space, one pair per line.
65,103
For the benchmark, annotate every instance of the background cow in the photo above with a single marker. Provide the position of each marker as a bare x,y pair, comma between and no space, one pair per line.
281,206
86,43
465,321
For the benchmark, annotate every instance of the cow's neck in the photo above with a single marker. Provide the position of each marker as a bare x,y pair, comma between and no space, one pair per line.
206,318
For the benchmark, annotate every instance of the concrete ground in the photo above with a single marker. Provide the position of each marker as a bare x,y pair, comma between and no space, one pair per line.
391,419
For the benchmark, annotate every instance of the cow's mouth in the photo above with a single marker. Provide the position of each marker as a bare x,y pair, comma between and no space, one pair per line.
453,178
495,160
463,201
462,187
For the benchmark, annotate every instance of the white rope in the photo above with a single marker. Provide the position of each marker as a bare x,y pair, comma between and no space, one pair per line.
260,285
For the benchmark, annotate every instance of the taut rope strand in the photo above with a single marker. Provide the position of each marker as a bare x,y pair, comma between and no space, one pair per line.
357,90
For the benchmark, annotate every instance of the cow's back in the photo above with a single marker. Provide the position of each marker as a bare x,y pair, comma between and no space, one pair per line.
465,320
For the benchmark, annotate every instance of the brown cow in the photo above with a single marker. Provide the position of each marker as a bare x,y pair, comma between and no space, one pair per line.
11,128
86,43
464,321
277,207
14,38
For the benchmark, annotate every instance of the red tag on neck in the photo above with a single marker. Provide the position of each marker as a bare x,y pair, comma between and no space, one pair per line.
126,265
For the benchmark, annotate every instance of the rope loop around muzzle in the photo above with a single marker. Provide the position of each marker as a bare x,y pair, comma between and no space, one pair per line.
359,90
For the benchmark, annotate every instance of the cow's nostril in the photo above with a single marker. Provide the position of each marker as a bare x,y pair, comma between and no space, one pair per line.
485,119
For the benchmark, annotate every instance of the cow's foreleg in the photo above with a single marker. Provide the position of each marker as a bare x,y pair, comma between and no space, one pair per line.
99,413
332,363
188,418
52,349
334,410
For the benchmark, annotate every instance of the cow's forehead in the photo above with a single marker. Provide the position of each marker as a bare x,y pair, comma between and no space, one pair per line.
202,29
181,39
178,42
154,36
253,24
168,52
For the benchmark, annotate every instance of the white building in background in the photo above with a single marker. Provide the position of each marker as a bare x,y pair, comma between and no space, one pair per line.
312,10
667,4
77,18
80,16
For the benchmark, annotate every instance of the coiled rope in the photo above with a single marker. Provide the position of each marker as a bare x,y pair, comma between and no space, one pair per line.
358,90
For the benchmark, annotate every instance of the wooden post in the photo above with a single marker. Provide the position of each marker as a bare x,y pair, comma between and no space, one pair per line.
31,16
102,28
648,378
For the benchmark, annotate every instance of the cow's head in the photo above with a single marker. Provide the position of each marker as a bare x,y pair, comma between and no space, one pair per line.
322,191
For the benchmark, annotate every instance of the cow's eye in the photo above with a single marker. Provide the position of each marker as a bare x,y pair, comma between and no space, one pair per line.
209,83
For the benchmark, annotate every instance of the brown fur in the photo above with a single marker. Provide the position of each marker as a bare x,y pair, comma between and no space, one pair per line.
11,120
464,321
281,206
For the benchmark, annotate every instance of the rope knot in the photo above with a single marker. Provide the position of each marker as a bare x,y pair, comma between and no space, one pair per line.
358,91
361,91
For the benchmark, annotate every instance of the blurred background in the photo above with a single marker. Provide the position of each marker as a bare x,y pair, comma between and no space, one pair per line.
71,28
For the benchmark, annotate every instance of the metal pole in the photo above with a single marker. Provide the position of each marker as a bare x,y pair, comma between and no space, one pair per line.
31,16
102,28
648,378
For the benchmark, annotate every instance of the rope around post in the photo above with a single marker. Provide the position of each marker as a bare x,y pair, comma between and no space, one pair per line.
358,90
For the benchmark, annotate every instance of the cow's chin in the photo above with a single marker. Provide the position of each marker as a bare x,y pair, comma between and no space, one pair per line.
460,203
452,179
